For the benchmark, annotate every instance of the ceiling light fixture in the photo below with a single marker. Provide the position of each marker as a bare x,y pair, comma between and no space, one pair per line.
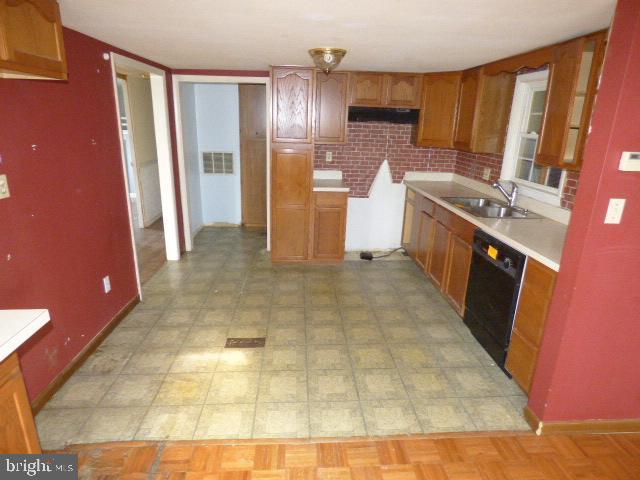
327,58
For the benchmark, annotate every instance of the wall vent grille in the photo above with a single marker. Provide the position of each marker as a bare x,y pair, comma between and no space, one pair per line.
217,163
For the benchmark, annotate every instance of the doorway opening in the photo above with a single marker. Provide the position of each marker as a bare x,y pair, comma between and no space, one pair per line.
223,150
143,116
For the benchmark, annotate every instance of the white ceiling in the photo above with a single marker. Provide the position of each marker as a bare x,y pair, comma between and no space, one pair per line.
386,35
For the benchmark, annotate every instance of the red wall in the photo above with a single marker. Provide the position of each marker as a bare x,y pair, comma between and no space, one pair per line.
589,360
66,223
369,143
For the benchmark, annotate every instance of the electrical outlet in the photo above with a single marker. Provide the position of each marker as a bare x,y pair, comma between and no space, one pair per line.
328,157
614,211
4,187
486,173
106,283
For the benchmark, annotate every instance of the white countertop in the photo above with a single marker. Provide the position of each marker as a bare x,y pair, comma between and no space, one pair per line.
329,185
17,326
541,239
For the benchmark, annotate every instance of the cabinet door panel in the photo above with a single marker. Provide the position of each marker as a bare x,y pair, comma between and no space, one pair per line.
563,77
493,113
292,105
289,234
521,361
331,107
291,178
403,90
438,262
466,109
425,239
31,39
458,272
367,89
328,227
407,226
438,110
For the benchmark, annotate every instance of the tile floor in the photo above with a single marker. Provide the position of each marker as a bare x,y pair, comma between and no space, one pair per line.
362,348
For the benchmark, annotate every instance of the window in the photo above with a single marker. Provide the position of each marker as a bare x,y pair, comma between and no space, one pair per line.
537,181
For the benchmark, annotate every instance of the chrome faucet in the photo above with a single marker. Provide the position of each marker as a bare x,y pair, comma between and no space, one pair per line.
511,197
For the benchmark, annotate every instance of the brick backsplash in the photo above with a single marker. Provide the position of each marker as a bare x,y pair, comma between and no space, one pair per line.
369,143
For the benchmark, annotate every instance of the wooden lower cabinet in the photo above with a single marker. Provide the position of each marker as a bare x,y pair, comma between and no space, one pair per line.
528,327
18,432
425,239
289,234
455,287
439,251
329,225
410,225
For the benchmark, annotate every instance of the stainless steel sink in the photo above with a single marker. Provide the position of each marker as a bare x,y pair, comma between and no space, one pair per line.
489,208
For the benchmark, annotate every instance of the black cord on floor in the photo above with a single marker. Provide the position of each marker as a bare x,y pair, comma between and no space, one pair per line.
369,256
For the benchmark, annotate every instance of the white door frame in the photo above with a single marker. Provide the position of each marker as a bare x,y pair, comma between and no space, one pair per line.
183,167
160,104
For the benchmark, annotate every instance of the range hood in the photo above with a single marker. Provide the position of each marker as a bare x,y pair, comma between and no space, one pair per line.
391,115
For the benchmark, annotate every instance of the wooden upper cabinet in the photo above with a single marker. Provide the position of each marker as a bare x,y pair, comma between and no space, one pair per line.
367,89
573,83
438,109
394,90
469,86
31,44
493,113
403,90
292,104
331,107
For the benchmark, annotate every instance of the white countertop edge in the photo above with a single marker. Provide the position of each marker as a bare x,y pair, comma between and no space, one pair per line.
330,189
474,220
327,174
36,319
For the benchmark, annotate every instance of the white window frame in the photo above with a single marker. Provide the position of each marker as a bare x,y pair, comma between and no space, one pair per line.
526,85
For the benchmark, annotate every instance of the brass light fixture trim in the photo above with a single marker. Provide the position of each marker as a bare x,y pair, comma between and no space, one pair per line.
327,58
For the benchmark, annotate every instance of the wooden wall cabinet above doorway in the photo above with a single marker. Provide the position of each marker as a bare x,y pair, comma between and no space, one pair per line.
31,44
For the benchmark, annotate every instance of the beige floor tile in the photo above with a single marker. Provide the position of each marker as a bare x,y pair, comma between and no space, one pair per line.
141,319
427,383
393,315
432,314
321,299
287,316
380,384
323,357
290,299
390,417
506,385
240,360
169,423
399,333
111,424
81,391
442,415
472,382
188,300
183,389
336,419
132,391
439,333
178,318
246,331
454,355
105,361
351,315
284,357
331,334
283,386
332,386
371,356
382,299
412,355
225,421
281,420
257,317
129,338
167,339
352,299
494,413
153,301
191,360
203,336
233,387
358,334
149,362
323,316
286,335
58,427
255,299
218,317
221,299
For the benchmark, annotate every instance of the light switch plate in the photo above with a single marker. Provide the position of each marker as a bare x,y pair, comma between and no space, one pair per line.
4,187
486,173
106,283
328,157
614,211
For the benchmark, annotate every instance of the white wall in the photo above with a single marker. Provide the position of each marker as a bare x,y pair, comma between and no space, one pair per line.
218,130
144,146
191,154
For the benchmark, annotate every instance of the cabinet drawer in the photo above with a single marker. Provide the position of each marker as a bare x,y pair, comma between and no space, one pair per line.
411,195
427,206
331,199
455,224
540,279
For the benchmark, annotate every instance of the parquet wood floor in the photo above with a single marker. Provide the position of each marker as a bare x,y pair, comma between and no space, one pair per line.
497,456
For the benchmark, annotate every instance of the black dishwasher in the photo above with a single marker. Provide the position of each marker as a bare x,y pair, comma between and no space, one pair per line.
492,294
